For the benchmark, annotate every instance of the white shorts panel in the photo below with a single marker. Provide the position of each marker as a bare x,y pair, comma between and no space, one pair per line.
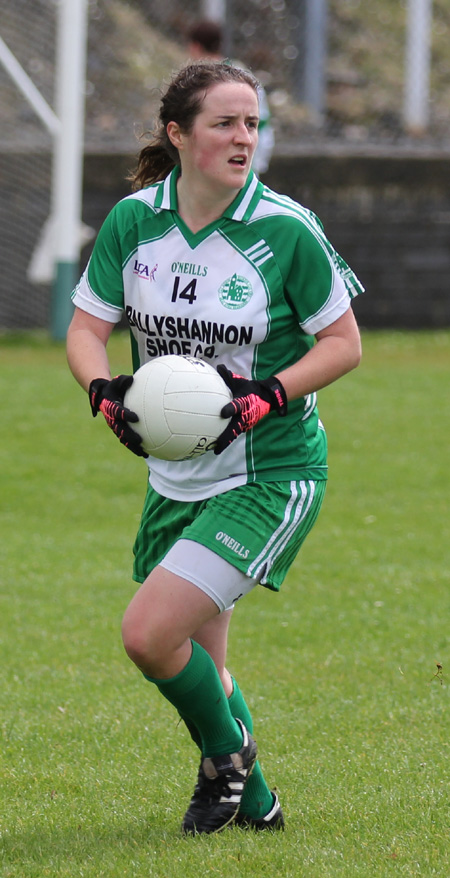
217,578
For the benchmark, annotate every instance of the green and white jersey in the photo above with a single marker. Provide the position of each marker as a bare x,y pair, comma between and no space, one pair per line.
249,290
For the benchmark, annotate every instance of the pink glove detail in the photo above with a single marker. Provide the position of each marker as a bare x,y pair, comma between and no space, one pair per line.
107,397
252,401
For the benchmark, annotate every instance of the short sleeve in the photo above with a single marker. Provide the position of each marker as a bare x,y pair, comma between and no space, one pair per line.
320,284
100,290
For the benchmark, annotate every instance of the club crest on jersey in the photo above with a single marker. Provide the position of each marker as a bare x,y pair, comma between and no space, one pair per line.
235,292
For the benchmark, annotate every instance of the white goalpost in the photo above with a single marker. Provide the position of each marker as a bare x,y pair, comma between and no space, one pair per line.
68,159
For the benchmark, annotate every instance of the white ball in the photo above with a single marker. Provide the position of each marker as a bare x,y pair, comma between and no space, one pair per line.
178,401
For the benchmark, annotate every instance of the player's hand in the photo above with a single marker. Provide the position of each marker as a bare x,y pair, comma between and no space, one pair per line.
107,397
252,400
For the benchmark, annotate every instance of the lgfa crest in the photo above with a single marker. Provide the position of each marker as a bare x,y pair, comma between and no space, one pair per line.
235,292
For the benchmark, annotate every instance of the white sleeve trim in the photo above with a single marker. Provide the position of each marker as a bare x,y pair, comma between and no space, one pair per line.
85,298
337,304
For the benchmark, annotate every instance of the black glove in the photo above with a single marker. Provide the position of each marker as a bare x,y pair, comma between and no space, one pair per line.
252,401
107,397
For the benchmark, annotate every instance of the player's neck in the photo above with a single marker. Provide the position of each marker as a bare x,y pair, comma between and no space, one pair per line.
198,208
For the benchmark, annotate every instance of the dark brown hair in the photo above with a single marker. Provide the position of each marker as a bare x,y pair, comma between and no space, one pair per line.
208,35
181,103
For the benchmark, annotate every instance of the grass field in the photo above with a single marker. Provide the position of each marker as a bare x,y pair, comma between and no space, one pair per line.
350,708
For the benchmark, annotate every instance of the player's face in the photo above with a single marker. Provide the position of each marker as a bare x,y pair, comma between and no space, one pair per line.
223,139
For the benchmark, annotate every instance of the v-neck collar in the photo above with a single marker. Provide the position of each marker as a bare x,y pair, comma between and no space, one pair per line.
240,209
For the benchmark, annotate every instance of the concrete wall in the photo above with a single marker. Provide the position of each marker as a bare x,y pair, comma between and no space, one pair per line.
389,217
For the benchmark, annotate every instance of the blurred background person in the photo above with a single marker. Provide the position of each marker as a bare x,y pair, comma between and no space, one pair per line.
205,41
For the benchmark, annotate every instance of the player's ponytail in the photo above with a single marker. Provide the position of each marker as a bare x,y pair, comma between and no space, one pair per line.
154,164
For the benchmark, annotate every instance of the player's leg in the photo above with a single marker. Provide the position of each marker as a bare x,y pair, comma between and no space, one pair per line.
157,630
260,807
259,528
213,636
257,800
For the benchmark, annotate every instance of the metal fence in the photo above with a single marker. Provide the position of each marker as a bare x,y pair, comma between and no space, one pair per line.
134,45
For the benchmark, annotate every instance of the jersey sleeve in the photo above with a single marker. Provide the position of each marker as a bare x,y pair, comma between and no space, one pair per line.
100,290
320,284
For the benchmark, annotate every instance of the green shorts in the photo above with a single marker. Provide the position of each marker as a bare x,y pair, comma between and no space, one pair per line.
257,528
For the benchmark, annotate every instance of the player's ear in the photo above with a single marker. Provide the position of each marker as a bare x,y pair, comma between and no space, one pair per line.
174,134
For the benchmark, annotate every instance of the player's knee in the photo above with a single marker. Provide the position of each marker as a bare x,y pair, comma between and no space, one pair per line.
135,645
137,641
144,644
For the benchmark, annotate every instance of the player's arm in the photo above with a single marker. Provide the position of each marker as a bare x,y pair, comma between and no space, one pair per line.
87,338
337,351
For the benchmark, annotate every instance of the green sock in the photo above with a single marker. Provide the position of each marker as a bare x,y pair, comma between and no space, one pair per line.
192,729
198,694
257,799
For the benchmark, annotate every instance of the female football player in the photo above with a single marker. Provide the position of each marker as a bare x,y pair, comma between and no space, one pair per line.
204,260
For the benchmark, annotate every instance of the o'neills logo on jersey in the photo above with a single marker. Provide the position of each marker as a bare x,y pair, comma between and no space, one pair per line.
235,292
232,544
189,268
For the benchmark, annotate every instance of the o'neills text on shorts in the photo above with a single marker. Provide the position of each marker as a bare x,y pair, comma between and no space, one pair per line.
232,544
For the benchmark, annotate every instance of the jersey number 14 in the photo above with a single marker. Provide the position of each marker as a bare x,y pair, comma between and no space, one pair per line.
188,292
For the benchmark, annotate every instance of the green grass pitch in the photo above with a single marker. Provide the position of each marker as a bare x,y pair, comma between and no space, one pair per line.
340,670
